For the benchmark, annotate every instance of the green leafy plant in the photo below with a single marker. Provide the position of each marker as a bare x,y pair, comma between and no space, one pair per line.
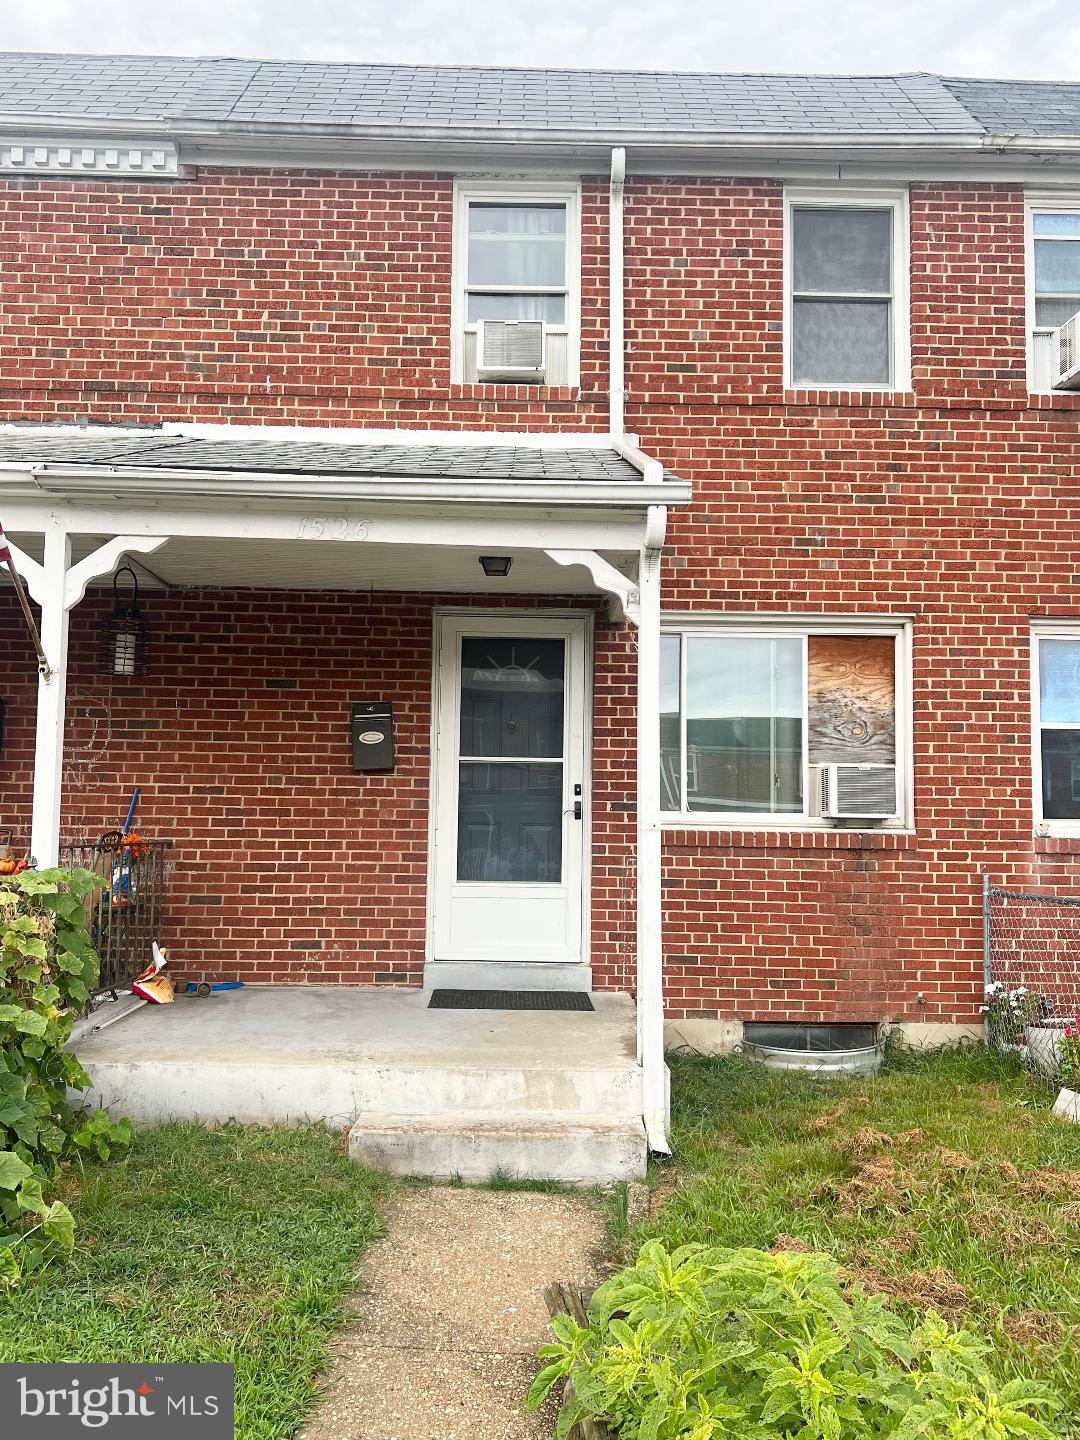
1070,1055
47,970
701,1343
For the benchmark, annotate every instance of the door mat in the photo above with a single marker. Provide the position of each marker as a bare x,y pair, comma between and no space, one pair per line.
509,1000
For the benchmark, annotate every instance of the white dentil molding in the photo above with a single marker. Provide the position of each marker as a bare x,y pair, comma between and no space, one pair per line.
71,155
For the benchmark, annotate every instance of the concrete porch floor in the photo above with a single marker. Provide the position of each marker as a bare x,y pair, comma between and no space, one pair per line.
544,1094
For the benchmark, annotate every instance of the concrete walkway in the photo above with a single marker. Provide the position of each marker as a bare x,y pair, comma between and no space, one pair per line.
451,1316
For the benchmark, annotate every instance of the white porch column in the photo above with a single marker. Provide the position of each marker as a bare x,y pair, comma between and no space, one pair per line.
52,690
650,984
58,586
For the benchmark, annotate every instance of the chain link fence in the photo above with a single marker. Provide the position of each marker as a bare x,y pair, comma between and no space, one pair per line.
1031,949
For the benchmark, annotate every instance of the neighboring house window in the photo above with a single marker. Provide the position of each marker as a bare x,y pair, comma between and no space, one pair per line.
846,292
517,257
1056,723
1053,279
753,714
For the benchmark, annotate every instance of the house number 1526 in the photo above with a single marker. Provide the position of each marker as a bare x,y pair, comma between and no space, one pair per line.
315,527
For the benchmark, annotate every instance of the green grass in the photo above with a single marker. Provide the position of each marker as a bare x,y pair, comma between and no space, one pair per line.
229,1244
976,1212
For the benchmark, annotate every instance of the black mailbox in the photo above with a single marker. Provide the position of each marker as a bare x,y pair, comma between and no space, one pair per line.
373,736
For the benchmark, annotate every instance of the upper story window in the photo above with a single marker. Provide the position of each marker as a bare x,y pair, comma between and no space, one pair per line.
517,257
1056,724
846,291
1053,279
784,723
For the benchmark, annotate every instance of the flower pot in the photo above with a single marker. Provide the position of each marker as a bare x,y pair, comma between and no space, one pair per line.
1067,1105
1044,1047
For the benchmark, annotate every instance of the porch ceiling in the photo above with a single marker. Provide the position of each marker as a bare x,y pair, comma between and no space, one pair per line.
198,562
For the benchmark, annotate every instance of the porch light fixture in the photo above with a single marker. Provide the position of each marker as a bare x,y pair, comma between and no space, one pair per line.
125,635
496,564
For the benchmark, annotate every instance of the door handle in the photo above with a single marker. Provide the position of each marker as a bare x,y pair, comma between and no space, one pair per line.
577,809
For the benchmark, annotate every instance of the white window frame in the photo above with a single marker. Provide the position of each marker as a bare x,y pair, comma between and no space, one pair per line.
1046,630
900,298
898,627
468,192
1062,203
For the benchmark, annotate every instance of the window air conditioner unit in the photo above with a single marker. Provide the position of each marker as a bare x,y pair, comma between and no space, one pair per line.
510,349
858,792
1065,355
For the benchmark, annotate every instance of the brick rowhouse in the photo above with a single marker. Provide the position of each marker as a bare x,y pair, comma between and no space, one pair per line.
324,299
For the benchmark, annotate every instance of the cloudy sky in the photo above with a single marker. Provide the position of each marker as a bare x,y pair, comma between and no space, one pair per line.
1030,38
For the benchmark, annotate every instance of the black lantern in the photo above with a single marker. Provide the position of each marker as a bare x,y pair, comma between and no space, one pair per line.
125,635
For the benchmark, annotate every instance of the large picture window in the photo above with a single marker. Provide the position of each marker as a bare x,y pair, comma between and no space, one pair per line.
1056,714
516,257
752,716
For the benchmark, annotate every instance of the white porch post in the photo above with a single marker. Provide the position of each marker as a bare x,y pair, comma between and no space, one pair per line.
58,586
49,744
650,987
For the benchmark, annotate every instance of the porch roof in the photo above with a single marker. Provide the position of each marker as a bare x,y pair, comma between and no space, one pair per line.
49,445
219,505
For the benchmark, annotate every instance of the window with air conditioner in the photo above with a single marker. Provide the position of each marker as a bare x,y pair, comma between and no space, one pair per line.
846,292
785,724
1056,727
1053,281
516,285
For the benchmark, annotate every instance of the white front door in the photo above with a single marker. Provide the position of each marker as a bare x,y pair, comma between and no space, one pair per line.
509,781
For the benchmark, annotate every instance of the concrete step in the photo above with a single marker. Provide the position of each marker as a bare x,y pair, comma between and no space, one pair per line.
261,1091
267,1055
586,1149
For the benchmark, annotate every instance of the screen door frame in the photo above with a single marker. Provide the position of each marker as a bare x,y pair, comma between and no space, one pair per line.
514,923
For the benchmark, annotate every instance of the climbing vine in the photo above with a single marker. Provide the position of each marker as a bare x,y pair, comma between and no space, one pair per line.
47,969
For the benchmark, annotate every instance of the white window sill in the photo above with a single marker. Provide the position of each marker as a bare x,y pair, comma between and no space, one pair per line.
761,824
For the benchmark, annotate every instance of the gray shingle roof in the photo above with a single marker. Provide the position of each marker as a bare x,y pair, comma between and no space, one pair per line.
57,446
1021,107
126,87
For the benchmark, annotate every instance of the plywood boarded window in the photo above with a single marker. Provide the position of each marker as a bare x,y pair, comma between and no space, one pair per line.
851,685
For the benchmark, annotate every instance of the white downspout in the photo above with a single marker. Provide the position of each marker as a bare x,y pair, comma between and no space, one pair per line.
650,979
616,299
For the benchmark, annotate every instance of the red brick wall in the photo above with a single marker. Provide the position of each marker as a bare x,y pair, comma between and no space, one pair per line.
303,299
286,865
325,299
957,504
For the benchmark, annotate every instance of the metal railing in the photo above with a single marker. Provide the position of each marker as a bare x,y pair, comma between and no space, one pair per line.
1031,963
124,917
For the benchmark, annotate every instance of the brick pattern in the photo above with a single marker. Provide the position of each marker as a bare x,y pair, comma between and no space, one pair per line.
300,299
286,865
291,299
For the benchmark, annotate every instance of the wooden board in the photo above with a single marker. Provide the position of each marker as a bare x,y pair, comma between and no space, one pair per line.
852,699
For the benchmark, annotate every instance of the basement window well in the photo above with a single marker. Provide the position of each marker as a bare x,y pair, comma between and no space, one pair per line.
843,1048
797,1035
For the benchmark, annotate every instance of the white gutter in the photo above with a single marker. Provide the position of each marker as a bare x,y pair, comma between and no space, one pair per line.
194,128
652,472
616,297
158,486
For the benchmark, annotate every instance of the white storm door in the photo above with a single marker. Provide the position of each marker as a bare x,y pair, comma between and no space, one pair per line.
510,788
